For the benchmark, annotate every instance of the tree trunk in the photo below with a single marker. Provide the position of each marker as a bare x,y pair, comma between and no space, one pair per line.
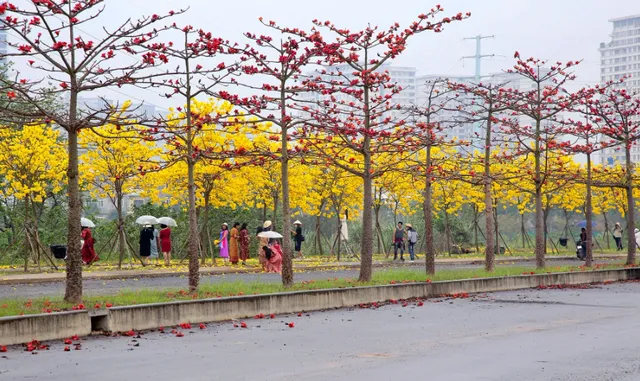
121,242
588,213
287,249
427,208
540,242
366,259
73,289
523,231
194,244
318,240
447,232
631,207
205,229
489,251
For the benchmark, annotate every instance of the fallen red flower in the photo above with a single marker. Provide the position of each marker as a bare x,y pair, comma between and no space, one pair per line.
97,305
420,304
299,314
67,349
235,326
75,338
68,341
3,348
108,305
179,334
291,325
243,325
202,326
272,316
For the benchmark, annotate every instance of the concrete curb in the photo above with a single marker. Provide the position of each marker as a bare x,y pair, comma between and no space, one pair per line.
60,277
20,329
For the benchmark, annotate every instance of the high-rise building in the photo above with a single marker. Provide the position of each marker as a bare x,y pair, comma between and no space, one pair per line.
620,58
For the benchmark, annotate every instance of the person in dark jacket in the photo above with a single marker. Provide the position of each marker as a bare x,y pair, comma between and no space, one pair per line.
398,242
146,235
298,238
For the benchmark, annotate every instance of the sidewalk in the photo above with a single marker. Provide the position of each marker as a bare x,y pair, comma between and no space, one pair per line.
159,273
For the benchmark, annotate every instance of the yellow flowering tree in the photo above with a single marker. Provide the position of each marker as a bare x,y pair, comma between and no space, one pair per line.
32,167
113,165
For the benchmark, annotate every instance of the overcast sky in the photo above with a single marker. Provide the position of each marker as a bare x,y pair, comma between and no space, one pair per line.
548,29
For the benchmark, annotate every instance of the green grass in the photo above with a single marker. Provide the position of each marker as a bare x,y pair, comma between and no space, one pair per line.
17,306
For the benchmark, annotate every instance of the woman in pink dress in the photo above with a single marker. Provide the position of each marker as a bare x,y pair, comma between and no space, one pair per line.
224,242
273,255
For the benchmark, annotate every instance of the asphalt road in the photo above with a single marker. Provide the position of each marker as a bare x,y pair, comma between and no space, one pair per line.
533,335
101,287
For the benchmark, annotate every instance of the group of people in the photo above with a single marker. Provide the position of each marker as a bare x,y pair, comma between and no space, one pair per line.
151,239
234,245
401,236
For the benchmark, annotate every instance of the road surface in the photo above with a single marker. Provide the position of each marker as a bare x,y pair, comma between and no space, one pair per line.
533,335
103,287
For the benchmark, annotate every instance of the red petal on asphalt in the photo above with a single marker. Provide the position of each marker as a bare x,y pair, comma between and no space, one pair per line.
202,326
3,348
272,316
291,325
67,349
179,334
420,304
243,325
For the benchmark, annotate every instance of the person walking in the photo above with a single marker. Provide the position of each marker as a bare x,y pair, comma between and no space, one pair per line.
617,236
398,242
244,244
146,235
273,256
165,243
412,238
234,244
264,242
155,244
224,242
88,252
298,238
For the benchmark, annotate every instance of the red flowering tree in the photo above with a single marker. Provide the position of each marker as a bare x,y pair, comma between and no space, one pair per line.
48,34
616,113
197,70
483,104
588,140
358,108
432,118
278,63
532,128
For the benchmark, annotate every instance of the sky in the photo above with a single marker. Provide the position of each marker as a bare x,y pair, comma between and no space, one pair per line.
551,30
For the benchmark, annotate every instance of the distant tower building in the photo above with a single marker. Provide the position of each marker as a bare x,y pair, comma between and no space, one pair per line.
621,58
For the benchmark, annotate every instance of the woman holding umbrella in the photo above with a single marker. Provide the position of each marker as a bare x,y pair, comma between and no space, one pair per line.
88,252
264,242
165,238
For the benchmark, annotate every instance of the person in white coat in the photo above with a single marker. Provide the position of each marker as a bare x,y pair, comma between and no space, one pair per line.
637,237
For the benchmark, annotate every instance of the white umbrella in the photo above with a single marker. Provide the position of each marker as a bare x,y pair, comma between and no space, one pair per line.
147,220
269,234
167,221
87,223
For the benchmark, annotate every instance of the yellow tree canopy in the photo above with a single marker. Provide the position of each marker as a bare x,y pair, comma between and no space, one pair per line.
115,162
33,162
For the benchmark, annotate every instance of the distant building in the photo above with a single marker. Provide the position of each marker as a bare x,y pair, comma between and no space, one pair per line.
3,47
621,58
87,105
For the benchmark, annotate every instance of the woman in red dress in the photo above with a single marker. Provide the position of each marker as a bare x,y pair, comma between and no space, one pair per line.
88,252
165,243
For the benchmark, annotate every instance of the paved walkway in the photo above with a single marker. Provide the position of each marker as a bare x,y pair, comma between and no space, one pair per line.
154,272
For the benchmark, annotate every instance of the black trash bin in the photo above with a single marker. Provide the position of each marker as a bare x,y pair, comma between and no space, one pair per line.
59,251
